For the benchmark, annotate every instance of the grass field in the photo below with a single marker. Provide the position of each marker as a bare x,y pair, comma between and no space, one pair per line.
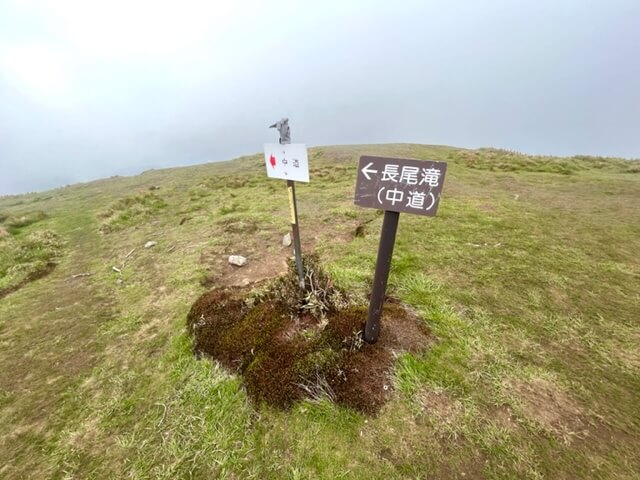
529,278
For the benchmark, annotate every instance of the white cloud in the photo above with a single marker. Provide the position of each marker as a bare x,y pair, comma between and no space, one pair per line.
39,72
126,29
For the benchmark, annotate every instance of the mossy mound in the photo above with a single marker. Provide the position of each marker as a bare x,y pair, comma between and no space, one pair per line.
291,344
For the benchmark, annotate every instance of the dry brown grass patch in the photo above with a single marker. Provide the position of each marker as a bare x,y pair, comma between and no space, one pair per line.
551,407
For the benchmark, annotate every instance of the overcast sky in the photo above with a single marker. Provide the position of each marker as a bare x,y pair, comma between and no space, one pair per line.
92,89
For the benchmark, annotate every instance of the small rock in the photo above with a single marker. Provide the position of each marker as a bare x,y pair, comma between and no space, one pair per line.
237,260
286,240
150,244
154,187
119,281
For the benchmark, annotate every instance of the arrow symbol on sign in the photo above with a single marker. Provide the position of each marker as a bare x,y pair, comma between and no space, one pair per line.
366,171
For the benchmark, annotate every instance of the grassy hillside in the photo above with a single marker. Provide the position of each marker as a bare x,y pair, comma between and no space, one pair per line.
528,279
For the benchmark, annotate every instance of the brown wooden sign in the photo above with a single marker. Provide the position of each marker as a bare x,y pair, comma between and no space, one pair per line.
394,185
400,185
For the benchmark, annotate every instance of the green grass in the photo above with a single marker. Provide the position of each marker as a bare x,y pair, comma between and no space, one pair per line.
27,257
14,223
130,210
528,277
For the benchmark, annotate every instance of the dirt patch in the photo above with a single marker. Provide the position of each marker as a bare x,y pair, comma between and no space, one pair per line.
550,406
402,330
503,416
262,264
440,408
365,383
290,345
267,257
258,269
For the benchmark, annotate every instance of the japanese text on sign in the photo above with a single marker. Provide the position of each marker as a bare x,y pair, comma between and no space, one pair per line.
400,185
288,162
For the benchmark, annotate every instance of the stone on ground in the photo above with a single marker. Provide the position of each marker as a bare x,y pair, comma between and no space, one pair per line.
237,260
286,240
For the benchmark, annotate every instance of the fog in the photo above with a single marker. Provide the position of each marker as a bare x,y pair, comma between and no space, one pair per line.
91,90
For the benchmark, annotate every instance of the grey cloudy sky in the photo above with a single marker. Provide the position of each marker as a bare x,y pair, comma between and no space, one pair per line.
92,89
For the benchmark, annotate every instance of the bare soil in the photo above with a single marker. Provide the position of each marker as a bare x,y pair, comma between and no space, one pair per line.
552,408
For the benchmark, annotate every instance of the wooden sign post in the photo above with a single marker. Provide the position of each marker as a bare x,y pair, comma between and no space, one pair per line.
394,185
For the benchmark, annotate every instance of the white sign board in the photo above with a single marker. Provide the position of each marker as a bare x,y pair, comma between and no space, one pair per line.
289,162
